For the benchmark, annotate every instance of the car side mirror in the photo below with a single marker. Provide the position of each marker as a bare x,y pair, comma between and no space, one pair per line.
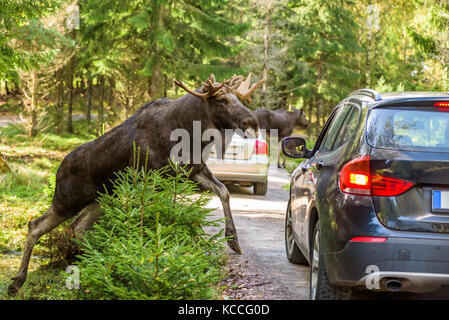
294,147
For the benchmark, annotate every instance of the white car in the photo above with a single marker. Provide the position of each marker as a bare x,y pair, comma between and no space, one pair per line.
245,162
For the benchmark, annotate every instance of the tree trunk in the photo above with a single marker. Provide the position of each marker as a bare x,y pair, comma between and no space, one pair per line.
71,95
101,106
59,108
111,96
323,114
156,84
89,98
150,87
7,88
34,105
165,86
369,57
127,113
266,43
16,89
131,104
157,28
71,90
310,105
319,105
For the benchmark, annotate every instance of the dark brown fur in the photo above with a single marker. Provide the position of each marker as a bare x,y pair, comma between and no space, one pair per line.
87,169
282,120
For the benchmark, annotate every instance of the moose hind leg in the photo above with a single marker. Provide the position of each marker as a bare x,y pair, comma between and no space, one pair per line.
86,219
206,179
36,228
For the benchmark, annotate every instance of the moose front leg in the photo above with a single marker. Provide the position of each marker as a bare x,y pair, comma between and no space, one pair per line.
207,180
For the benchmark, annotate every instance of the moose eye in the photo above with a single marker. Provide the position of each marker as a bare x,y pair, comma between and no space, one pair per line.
222,101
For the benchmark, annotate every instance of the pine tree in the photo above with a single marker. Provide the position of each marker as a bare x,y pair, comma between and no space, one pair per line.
14,15
324,43
162,38
431,36
42,39
265,51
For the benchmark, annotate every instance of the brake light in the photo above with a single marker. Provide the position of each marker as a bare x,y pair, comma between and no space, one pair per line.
369,239
356,178
261,147
442,106
389,187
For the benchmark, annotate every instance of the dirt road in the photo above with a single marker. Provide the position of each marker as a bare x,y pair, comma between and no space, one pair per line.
6,120
263,271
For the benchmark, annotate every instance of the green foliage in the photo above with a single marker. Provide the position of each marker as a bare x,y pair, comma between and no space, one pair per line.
162,39
329,32
26,192
150,243
18,19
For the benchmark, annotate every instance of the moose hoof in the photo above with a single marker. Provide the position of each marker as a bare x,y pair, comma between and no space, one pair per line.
234,245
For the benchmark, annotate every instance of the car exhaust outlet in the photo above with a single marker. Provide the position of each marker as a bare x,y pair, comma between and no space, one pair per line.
393,285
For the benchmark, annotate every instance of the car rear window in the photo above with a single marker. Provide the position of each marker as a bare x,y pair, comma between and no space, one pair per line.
409,129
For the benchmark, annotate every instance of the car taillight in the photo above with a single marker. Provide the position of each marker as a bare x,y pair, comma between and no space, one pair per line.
388,187
369,239
356,178
261,147
442,106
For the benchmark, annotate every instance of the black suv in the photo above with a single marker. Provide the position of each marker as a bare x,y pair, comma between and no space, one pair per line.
369,205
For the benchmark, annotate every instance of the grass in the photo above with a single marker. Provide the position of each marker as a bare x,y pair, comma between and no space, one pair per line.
24,195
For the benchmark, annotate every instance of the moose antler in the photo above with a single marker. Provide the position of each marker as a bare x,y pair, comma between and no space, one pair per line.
243,92
209,87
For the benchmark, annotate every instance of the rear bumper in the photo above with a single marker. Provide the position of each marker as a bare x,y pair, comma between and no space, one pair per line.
252,170
420,265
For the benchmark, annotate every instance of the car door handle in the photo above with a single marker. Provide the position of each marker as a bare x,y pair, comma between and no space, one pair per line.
319,165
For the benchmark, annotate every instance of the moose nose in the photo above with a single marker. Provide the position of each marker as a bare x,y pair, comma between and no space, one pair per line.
250,126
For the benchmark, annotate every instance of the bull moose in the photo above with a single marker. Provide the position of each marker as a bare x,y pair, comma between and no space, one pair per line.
89,168
282,120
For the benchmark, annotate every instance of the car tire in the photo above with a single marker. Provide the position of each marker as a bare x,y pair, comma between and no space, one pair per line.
320,288
294,255
260,188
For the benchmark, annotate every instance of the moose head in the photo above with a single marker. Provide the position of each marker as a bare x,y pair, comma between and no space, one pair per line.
300,117
224,101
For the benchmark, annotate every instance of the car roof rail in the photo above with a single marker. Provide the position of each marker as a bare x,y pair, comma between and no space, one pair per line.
368,92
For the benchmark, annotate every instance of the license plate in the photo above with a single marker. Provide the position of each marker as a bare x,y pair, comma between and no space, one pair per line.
233,152
440,201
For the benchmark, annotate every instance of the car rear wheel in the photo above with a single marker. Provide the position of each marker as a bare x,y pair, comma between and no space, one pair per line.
294,255
260,188
320,288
